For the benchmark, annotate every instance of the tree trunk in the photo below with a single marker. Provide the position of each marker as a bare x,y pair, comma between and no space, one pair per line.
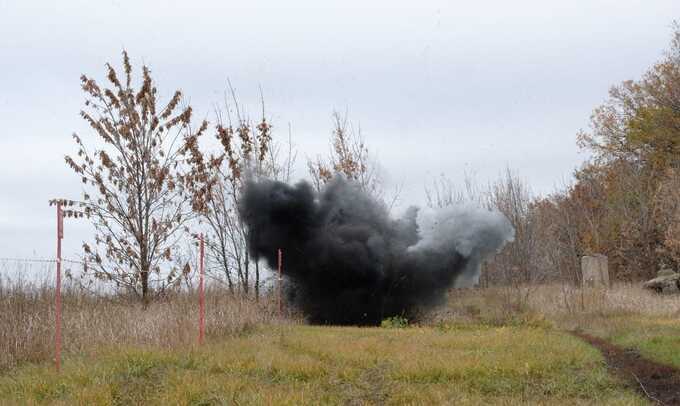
230,283
144,276
257,280
246,274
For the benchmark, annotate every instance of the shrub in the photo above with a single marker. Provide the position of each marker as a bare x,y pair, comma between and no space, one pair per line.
394,322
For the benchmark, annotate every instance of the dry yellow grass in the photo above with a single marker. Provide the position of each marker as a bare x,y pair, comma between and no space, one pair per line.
91,321
620,298
563,304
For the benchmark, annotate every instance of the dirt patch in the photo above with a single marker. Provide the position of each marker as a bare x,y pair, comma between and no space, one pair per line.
658,382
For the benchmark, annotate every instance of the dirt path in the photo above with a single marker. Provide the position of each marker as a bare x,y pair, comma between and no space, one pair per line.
658,382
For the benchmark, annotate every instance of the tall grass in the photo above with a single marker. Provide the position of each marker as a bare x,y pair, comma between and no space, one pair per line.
621,298
92,321
561,305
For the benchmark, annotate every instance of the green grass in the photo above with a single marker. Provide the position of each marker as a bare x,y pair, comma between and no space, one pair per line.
625,314
331,365
655,338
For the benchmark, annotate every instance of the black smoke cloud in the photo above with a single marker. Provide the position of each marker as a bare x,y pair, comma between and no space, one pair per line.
347,262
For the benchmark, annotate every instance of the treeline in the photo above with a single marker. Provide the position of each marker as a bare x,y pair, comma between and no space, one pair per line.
624,202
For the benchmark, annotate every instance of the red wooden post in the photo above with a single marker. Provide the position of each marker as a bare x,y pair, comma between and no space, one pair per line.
201,293
280,281
57,300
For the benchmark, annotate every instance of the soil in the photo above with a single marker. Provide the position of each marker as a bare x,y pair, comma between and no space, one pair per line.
658,382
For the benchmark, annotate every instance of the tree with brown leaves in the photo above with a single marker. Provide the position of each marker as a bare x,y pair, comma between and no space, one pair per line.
349,157
139,193
248,151
635,138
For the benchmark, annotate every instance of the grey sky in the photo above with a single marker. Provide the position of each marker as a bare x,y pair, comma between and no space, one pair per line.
437,86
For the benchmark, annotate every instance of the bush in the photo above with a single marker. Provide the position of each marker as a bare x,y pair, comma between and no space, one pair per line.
394,322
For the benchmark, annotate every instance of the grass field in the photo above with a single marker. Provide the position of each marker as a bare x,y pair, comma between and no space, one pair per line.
464,364
485,346
625,315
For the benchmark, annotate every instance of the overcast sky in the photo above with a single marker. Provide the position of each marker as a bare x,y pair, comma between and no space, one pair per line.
438,87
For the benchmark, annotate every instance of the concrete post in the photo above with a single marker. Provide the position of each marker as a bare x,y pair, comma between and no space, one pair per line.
595,271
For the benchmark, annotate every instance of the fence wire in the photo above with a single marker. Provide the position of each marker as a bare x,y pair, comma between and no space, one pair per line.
41,272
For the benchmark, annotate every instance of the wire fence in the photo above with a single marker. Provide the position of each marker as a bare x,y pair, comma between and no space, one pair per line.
34,270
78,273
42,271
18,274
26,275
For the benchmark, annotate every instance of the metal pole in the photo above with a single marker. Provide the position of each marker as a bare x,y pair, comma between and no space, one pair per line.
201,293
57,304
280,282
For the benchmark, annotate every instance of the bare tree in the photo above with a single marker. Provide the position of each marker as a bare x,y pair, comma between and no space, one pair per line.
558,242
516,264
248,151
520,262
137,194
443,192
348,157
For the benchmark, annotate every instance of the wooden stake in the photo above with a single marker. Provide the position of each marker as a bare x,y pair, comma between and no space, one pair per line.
57,299
201,293
280,282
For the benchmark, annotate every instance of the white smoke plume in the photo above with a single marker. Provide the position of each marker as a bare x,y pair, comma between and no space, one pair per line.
476,233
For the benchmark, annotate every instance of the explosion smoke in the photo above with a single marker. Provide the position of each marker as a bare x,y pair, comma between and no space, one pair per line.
347,262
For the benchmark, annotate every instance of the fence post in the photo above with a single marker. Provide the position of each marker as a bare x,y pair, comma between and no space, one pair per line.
57,300
201,293
278,285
